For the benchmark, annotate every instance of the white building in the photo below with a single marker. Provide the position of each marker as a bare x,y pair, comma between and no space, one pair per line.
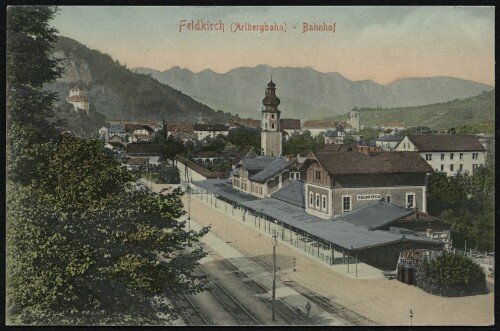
78,98
203,131
446,153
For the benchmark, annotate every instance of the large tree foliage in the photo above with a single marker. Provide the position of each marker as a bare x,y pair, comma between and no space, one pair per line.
30,118
302,141
113,265
468,202
85,244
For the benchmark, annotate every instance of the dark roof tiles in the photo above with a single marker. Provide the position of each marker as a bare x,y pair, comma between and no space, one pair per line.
445,142
376,163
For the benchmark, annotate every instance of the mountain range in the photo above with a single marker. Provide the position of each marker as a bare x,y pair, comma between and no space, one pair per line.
306,93
116,92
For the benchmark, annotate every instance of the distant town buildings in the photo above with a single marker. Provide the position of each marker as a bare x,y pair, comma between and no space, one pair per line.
449,153
322,126
202,130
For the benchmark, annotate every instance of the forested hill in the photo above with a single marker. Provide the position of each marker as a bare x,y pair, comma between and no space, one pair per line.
117,92
475,111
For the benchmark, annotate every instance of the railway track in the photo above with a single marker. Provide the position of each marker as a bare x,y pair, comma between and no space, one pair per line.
237,310
348,316
285,312
192,316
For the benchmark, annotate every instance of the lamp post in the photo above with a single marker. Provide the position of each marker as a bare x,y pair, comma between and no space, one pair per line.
275,242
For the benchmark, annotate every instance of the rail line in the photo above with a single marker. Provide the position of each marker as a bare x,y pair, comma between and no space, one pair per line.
237,310
348,316
191,314
283,310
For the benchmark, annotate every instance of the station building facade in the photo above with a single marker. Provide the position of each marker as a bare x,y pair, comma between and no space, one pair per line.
339,182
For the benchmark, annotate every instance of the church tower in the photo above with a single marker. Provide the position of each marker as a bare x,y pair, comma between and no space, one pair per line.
270,137
354,118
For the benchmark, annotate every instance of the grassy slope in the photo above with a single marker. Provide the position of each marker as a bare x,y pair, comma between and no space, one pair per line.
475,110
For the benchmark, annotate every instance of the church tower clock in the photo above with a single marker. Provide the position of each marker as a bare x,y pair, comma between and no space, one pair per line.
271,138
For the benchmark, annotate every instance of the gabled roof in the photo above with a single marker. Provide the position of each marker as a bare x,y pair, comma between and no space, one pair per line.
445,142
304,153
375,215
337,148
292,192
210,127
257,163
271,170
400,125
389,138
130,128
242,153
336,163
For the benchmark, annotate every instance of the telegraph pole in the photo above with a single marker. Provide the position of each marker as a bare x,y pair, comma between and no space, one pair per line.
275,242
188,189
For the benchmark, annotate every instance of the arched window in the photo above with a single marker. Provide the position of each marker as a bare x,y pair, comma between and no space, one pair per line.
317,200
310,199
324,202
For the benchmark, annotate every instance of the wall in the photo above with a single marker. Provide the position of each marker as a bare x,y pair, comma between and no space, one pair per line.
323,192
398,196
271,143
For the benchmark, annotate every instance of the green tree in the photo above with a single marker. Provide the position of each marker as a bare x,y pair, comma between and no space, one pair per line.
114,265
171,147
242,137
451,275
30,117
302,141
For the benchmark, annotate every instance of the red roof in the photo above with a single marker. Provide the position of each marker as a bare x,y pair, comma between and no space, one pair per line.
394,125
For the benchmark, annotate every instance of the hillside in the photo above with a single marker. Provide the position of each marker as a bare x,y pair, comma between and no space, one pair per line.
117,92
475,110
306,93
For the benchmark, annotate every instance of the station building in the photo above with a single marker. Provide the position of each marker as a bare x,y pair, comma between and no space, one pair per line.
342,205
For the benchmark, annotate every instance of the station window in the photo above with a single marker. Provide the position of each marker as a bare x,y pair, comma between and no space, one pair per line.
346,203
410,200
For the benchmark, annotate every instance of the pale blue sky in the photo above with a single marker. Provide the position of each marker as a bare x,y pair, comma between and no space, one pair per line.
382,44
